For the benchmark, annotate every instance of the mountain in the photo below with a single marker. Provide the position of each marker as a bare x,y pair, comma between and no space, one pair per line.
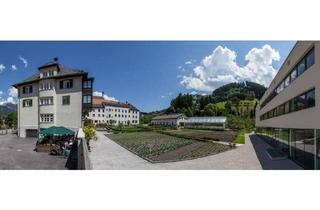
7,108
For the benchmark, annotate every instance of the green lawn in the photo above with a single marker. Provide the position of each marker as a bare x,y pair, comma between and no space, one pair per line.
240,137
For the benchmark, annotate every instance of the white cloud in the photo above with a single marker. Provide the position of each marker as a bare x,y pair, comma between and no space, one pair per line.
106,97
24,61
188,63
12,96
221,68
163,96
14,67
2,68
13,92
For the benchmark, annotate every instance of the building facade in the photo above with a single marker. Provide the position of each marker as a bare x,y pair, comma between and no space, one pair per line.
54,96
214,123
113,112
169,120
288,114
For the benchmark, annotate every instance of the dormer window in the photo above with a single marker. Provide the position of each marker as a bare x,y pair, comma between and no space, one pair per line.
48,74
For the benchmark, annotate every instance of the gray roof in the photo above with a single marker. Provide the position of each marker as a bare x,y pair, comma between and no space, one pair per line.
168,116
63,72
206,120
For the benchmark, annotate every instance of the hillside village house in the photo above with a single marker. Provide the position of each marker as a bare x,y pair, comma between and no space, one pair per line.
113,112
289,111
54,96
169,120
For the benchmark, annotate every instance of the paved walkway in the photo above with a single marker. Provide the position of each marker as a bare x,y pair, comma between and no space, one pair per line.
106,154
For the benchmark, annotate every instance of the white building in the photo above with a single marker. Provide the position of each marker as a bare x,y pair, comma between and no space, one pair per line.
113,112
54,96
169,120
206,122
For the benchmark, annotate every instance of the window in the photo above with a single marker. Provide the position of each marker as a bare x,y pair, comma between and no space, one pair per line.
287,107
65,100
293,75
93,115
287,82
87,99
27,89
281,109
300,102
27,103
310,59
66,84
45,101
310,98
46,86
87,84
301,67
305,63
46,118
48,74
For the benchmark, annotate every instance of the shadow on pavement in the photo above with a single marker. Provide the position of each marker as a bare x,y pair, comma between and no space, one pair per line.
260,147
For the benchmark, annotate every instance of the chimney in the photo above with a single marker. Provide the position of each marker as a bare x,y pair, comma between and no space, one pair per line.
55,59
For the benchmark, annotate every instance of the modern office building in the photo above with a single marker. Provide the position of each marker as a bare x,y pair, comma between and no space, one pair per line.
288,114
55,95
113,112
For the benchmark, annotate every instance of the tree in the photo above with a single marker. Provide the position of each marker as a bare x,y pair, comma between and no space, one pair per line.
11,120
210,110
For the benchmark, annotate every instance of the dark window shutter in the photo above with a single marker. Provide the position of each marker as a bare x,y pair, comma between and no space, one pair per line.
23,103
31,89
61,84
71,83
30,102
24,90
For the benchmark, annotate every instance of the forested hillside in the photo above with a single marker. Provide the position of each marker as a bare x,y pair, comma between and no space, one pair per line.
235,100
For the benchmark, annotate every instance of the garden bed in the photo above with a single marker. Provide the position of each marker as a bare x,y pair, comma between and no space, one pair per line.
157,147
223,136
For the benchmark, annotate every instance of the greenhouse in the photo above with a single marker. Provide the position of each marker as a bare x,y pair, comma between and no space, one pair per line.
206,122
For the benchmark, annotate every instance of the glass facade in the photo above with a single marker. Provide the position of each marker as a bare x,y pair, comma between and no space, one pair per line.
300,145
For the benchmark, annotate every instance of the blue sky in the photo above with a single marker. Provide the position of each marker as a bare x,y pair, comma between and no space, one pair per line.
148,74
